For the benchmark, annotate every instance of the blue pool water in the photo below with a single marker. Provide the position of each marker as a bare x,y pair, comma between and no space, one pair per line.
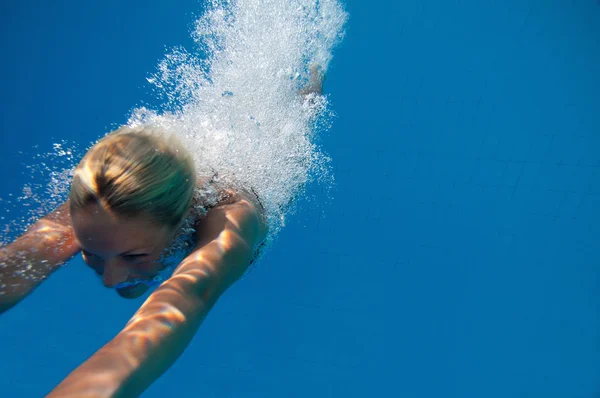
458,256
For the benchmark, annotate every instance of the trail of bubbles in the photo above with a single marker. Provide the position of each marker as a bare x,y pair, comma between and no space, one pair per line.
235,100
48,177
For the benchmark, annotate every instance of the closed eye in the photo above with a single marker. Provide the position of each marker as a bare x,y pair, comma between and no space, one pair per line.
134,257
127,257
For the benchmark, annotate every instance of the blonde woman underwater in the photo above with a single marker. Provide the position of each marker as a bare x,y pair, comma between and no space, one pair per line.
134,199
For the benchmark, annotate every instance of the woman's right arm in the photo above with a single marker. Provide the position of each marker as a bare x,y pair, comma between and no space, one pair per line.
32,257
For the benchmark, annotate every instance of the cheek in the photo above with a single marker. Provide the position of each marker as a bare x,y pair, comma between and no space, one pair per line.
148,267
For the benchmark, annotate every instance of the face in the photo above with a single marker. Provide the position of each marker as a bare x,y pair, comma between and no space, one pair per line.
119,249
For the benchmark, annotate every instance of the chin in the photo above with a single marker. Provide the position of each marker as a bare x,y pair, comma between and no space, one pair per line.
132,292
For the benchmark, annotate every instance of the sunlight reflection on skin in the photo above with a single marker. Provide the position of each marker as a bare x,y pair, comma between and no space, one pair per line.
163,326
44,228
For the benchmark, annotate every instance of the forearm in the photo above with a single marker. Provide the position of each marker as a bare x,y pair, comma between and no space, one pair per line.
149,344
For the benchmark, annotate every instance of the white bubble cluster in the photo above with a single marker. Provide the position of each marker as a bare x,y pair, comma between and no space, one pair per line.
235,101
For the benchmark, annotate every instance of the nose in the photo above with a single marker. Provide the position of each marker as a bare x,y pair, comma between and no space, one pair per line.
114,273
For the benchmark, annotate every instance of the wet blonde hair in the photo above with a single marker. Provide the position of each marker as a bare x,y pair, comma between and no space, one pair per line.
136,171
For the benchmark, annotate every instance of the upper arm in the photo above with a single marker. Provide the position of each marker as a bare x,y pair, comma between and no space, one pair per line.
227,238
50,239
56,232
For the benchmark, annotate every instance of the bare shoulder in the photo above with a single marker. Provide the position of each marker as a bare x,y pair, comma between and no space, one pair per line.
226,208
246,208
227,237
245,201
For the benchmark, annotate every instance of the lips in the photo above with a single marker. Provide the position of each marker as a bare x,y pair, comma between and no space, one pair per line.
130,292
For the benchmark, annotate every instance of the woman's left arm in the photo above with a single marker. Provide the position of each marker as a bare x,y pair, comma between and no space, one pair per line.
162,328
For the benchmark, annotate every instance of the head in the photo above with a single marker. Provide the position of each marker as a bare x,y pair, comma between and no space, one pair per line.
129,196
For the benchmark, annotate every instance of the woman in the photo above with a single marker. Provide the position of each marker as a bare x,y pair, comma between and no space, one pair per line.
134,200
130,196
